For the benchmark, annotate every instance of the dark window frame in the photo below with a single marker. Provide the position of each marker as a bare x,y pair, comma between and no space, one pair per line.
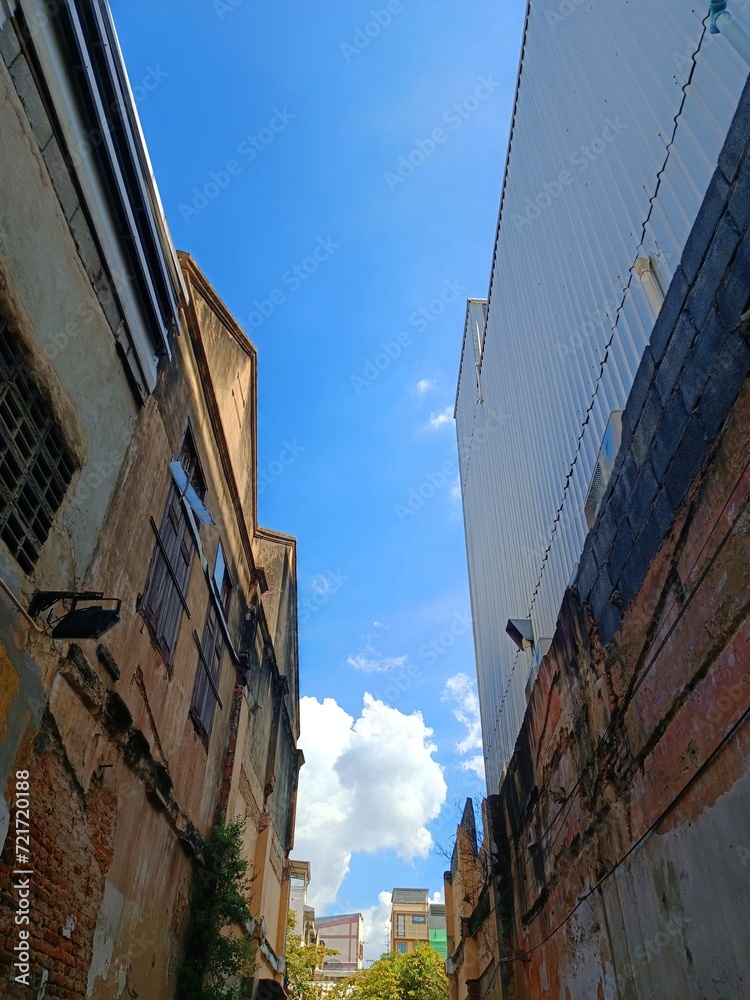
164,597
36,467
205,696
191,463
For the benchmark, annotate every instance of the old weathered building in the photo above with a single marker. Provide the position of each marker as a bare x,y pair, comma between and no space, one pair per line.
127,470
617,861
471,913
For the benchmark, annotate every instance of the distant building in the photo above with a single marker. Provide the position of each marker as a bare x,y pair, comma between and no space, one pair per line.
343,933
415,921
438,930
304,915
409,919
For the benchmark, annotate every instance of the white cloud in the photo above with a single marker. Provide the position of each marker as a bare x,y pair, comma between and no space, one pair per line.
368,785
463,690
456,488
370,661
424,385
375,664
475,764
442,419
377,927
321,584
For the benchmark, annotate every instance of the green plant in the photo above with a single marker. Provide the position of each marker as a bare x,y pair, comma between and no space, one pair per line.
217,955
301,962
418,975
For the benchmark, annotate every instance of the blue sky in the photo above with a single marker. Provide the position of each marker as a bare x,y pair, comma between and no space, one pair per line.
277,133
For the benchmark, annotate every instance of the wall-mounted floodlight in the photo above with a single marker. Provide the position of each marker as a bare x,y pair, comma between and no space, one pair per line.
521,632
89,622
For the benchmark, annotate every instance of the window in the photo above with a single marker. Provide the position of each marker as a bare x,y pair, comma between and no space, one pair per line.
400,925
416,919
402,948
223,581
165,596
35,467
190,462
206,687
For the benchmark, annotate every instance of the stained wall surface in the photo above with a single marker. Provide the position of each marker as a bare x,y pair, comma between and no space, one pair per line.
620,115
621,849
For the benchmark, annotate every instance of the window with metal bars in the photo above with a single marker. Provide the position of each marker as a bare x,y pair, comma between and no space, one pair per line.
165,596
35,467
206,687
400,925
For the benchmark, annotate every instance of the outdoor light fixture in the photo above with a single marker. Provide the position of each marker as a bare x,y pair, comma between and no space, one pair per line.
521,632
88,622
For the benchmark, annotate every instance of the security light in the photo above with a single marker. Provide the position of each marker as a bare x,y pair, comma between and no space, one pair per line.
90,622
521,632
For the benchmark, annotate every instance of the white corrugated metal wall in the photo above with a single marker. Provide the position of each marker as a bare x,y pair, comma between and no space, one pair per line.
621,111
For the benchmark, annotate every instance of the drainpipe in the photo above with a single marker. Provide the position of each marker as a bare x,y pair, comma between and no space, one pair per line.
722,23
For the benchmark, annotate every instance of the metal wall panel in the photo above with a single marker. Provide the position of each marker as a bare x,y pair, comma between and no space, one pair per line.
621,111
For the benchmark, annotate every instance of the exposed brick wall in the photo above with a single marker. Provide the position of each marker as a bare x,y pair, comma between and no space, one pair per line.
622,829
72,838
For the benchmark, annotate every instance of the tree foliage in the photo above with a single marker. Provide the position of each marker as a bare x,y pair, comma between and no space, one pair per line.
418,975
217,955
301,962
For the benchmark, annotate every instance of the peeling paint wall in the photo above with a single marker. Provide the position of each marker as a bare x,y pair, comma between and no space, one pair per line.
621,829
472,917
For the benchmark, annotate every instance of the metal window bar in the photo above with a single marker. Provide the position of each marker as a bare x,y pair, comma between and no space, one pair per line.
170,568
210,652
35,468
207,669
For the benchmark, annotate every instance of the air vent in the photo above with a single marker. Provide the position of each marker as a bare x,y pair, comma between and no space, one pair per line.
603,468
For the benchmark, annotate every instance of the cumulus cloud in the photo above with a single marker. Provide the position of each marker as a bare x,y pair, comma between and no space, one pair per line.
475,764
377,927
442,419
424,385
368,785
463,690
